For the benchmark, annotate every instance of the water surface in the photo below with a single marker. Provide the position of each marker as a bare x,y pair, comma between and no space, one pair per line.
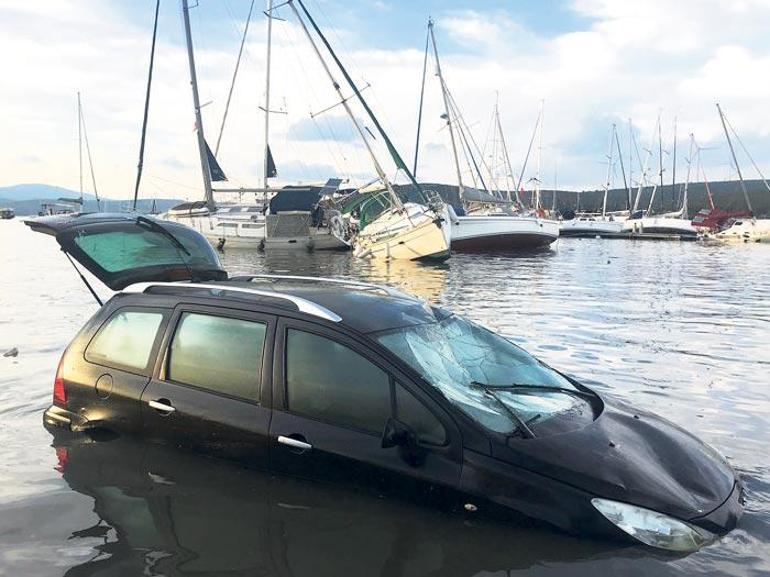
678,328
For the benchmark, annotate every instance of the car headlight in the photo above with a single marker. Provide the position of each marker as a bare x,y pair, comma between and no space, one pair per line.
653,528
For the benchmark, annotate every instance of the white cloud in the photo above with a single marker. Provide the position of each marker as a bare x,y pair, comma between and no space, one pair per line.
633,59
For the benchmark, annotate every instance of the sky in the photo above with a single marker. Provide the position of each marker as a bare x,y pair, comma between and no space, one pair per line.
592,64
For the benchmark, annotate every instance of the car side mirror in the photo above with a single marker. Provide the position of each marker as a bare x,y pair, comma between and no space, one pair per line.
398,434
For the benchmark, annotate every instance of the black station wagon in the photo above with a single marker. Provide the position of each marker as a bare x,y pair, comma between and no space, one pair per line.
362,384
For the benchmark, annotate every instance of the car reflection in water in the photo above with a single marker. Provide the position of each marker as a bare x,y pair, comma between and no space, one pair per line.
167,512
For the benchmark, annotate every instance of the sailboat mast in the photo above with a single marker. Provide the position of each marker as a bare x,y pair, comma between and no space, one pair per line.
509,169
687,180
539,155
529,151
609,172
622,167
380,172
631,142
447,111
422,100
660,165
673,168
232,82
80,147
645,169
266,163
205,170
735,159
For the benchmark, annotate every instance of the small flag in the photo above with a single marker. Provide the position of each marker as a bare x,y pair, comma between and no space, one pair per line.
215,170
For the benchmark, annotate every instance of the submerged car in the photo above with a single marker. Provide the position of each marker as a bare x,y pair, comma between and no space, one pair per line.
357,383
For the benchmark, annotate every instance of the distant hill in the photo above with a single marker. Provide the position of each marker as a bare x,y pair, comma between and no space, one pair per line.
727,196
26,199
21,192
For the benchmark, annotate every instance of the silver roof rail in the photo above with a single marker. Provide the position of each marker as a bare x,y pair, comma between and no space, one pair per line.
320,279
303,305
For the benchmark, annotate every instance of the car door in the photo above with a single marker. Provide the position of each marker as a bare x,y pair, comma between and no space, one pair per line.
332,401
211,387
113,367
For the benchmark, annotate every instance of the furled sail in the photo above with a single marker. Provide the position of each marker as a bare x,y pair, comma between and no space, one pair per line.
272,172
216,171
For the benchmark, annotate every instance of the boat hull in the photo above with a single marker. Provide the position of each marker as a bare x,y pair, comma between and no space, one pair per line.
501,232
423,236
590,228
661,227
747,230
251,234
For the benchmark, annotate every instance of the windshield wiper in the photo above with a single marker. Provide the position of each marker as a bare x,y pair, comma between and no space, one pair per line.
535,387
522,425
151,224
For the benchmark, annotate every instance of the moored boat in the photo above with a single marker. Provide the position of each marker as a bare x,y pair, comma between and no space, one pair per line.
591,226
492,232
746,230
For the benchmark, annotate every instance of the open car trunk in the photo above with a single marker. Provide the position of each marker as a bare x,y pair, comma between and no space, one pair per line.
123,249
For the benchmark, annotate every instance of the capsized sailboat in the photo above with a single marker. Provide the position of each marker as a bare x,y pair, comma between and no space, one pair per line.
413,231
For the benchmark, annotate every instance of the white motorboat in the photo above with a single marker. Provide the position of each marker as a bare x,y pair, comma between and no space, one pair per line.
746,230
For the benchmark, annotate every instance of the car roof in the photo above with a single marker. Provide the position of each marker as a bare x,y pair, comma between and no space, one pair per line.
363,307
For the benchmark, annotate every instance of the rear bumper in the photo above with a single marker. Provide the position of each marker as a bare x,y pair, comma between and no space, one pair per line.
59,418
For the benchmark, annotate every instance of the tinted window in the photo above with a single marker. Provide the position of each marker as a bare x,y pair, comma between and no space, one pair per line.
218,353
122,246
126,340
411,411
329,382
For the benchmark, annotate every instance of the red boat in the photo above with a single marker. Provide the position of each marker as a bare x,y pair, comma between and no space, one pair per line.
716,219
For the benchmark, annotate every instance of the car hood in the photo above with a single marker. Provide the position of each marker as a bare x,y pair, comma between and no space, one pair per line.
630,456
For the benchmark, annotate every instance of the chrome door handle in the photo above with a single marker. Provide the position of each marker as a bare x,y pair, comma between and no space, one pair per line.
159,406
295,443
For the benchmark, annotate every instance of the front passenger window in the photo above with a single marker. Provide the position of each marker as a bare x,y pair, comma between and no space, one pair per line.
412,412
326,380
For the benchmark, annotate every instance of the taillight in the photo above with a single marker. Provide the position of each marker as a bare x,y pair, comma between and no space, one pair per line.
59,392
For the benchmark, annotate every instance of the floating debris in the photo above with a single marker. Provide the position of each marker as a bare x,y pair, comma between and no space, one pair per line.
14,352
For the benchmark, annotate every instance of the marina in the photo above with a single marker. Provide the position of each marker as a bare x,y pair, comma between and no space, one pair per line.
688,348
338,319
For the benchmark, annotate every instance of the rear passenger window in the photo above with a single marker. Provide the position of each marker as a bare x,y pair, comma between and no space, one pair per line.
218,353
326,380
126,340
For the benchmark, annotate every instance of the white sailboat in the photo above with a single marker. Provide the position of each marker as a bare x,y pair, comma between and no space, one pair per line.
596,225
482,227
748,229
250,224
673,225
412,231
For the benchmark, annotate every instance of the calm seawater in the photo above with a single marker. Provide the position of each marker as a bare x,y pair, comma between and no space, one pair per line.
682,329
